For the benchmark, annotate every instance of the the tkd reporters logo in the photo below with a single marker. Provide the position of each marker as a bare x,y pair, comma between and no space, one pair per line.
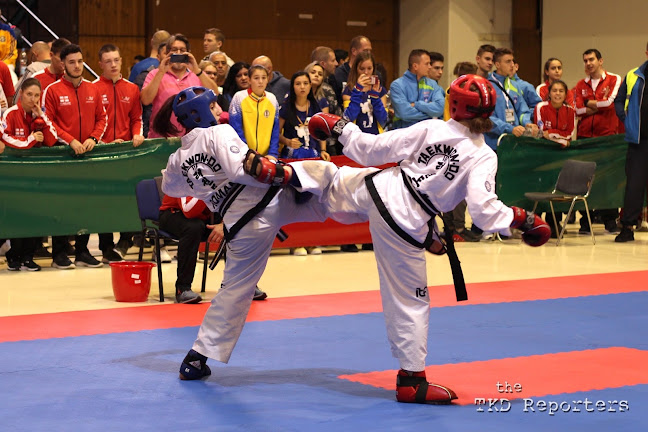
550,407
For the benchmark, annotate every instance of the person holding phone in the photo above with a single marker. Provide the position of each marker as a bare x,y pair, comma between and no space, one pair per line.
178,70
364,97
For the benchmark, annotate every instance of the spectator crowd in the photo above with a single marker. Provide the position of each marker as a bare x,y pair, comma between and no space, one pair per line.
52,104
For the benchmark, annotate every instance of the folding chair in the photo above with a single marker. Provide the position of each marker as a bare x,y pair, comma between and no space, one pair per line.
149,199
574,183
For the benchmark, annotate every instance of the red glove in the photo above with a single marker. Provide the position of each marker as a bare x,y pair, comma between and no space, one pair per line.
535,231
323,125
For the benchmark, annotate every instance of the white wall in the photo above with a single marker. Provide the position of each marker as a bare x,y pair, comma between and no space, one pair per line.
423,24
619,30
474,23
455,28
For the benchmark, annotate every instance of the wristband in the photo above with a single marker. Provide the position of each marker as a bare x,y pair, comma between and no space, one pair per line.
94,139
199,73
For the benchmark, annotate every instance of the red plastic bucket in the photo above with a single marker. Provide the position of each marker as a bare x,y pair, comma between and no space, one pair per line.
131,280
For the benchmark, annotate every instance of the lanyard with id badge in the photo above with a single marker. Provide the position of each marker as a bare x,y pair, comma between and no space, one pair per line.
509,113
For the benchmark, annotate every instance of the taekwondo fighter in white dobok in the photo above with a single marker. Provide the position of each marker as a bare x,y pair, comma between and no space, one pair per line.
441,164
209,166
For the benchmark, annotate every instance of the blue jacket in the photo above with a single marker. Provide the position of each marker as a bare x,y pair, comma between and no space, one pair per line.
428,98
628,106
528,92
523,114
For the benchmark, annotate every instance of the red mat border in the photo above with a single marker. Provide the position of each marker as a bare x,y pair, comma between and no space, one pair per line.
105,321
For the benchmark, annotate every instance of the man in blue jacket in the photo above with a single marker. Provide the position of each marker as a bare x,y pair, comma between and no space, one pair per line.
631,105
528,90
512,114
414,96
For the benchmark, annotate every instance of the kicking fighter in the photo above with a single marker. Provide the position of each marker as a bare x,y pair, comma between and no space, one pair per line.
441,164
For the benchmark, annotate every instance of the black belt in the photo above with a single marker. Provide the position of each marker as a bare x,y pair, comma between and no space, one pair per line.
455,264
247,217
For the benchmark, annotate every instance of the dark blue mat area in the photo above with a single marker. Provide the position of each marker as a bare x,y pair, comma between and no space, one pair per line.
283,374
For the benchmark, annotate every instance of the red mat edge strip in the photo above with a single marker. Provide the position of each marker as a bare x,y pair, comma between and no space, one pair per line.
105,321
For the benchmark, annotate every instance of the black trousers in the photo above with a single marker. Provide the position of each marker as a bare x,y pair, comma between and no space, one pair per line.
456,219
81,243
189,233
22,249
636,168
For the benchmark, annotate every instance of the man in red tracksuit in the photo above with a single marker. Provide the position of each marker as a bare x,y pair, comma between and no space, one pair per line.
120,98
74,107
594,97
54,71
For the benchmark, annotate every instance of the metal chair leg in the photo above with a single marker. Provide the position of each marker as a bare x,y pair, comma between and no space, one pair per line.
589,220
553,216
159,266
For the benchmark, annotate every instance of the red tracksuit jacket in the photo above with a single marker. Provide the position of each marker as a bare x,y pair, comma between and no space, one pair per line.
558,122
17,129
604,121
121,101
543,92
45,77
77,113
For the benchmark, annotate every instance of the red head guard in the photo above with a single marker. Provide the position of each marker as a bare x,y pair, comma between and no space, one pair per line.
471,96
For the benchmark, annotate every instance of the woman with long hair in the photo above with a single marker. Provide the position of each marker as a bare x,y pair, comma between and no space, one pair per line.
296,111
553,71
555,117
364,97
237,80
24,126
316,73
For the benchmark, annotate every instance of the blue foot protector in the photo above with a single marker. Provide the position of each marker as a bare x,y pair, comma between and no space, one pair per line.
194,366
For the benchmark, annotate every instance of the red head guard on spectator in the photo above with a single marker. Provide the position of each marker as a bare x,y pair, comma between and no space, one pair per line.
471,96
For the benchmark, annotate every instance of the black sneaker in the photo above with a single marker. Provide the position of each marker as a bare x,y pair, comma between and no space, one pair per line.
84,259
61,261
42,252
349,248
122,247
30,265
259,295
110,255
612,227
626,235
69,249
468,236
13,265
188,297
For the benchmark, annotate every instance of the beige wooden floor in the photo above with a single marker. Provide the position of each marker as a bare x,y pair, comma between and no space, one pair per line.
52,290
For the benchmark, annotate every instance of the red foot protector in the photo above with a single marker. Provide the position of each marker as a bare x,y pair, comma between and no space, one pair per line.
533,376
416,389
